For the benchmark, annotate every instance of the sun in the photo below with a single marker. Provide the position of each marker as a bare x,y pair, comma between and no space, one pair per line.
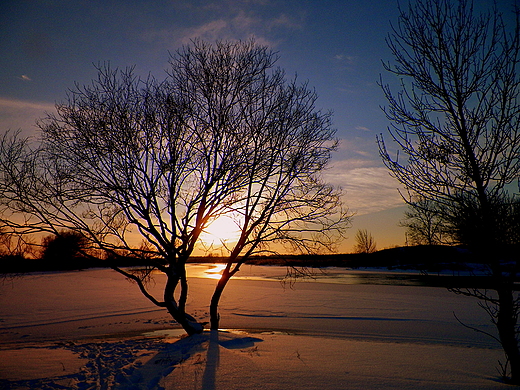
222,230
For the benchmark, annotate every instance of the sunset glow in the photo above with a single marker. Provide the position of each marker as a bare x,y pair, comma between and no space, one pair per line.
221,231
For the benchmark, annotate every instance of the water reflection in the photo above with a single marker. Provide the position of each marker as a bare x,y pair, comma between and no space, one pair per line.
336,275
213,271
327,275
247,272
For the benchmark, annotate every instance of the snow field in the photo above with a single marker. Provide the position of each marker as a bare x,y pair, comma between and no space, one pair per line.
94,330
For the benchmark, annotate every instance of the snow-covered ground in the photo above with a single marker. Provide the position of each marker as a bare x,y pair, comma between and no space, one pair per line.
94,330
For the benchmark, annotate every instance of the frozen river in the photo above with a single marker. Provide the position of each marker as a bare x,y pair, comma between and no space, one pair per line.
337,303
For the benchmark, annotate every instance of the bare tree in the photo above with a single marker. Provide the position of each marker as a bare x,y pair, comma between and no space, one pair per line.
423,223
365,243
225,134
456,121
16,246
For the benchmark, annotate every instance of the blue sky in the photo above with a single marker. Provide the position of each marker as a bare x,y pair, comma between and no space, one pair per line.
337,46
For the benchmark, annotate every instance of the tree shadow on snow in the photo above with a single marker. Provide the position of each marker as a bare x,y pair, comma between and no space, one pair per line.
195,359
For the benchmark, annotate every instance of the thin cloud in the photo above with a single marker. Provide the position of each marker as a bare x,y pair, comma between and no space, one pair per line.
354,163
362,128
6,103
346,59
227,22
284,21
359,145
241,26
367,189
22,114
363,153
243,23
209,31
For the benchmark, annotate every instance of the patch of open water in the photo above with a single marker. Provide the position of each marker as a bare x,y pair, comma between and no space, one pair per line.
336,275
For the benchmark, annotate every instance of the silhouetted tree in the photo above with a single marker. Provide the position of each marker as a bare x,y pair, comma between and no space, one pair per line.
456,121
424,226
64,250
224,134
365,243
11,245
15,250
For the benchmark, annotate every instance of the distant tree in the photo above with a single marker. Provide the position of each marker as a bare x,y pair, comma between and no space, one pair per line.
365,243
465,224
456,121
64,250
17,253
10,245
225,134
15,246
423,224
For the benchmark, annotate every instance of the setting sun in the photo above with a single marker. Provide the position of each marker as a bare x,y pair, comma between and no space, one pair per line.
222,230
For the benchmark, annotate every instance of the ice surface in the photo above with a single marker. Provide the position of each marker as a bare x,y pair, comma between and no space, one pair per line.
311,334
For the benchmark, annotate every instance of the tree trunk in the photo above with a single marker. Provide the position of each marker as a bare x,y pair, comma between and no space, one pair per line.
506,325
188,323
507,312
215,299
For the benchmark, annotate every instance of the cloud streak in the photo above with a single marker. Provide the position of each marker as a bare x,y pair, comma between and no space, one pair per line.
368,189
22,114
229,23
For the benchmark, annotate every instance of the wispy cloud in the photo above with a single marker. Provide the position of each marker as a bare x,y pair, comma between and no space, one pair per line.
241,25
209,31
358,169
228,21
16,104
346,59
359,146
368,188
286,22
22,114
363,128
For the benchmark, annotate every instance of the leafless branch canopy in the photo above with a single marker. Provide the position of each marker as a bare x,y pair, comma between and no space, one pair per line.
365,242
224,134
456,123
456,118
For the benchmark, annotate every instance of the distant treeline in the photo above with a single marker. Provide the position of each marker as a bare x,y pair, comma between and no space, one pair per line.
430,258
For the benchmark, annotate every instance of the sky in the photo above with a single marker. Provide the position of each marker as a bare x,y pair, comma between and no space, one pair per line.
46,46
